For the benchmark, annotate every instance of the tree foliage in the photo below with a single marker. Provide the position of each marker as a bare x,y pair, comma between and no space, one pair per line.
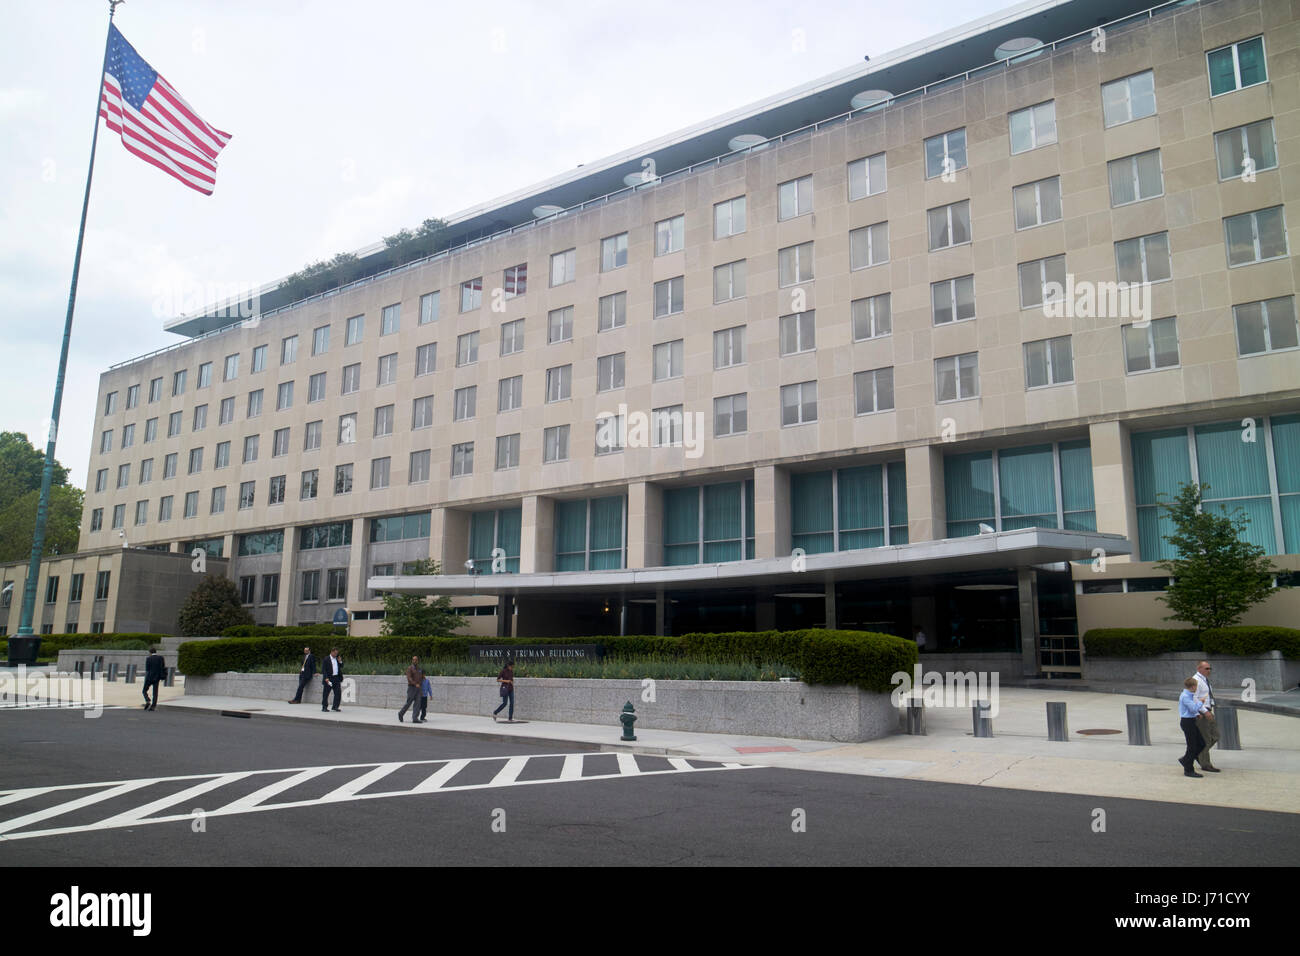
405,245
212,607
21,467
62,524
415,615
1218,575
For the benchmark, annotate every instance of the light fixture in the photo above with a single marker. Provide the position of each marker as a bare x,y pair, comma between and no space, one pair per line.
985,529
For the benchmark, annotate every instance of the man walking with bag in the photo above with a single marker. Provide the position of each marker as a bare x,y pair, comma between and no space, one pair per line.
1205,723
414,678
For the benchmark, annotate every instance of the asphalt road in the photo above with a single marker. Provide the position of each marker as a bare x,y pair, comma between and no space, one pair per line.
376,796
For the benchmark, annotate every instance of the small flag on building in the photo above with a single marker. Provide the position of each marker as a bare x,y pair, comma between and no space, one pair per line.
155,123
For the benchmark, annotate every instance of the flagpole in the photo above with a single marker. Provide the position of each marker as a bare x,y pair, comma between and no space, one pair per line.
47,476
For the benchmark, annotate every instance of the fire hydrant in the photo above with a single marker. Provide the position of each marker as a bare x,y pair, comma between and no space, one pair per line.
628,717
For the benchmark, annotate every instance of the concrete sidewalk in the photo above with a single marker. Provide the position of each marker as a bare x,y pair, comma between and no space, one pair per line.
1264,776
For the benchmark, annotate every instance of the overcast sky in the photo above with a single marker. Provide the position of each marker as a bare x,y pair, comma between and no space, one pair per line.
349,122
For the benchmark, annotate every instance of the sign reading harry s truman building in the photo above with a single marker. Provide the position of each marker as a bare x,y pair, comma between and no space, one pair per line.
537,652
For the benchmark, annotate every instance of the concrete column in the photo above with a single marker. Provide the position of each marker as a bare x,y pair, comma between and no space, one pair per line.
506,612
645,525
537,535
1112,482
927,518
765,512
832,612
228,549
288,593
449,539
661,613
358,565
1027,581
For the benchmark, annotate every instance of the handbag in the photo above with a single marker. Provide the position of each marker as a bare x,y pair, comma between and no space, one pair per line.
505,690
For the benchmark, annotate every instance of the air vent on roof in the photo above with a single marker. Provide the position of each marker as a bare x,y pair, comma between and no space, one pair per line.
1019,49
871,99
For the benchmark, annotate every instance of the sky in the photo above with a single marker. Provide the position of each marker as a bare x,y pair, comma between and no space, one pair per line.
349,121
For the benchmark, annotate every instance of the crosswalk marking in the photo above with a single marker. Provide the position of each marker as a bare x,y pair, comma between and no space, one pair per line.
442,780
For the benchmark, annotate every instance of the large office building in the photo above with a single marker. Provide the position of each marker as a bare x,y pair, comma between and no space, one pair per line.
918,344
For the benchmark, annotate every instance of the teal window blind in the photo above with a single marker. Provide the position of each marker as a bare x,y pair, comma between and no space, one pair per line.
489,530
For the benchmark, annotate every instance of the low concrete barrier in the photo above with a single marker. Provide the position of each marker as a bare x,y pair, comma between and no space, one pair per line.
1270,671
67,661
752,708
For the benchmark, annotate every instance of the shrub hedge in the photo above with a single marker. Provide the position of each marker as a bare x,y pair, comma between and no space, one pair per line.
270,630
859,658
1228,641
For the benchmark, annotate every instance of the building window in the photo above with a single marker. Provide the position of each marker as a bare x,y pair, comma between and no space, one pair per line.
400,527
670,296
226,414
514,282
589,534
1135,178
422,412
231,371
729,347
124,473
873,391
426,359
613,252
351,378
794,198
729,281
312,436
310,485
1255,142
666,426
512,338
429,307
798,333
1267,326
320,340
151,429
315,388
310,587
564,267
106,441
178,385
270,589
200,420
155,385
288,349
1033,127
610,371
1128,99
1237,66
284,396
1042,280
956,377
146,471
555,444
1255,236
949,225
390,319
196,461
869,246
1049,362
141,512
254,403
205,379
729,218
670,235
280,443
1037,203
612,310
559,383
347,428
795,264
222,455
668,360
798,403
101,479
611,434
132,397
947,151
259,358
418,469
466,349
384,420
275,494
1144,259
343,479
165,508
97,519
867,177
169,466
471,294
52,590
174,424
354,329
336,584
128,432
379,469
250,448
510,393
507,452
730,415
1039,486
191,504
102,579
1153,345
74,591
559,325
872,317
464,402
953,300
110,407
387,373
218,504
247,589
462,459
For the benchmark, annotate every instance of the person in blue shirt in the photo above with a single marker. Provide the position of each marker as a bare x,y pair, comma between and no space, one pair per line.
1189,708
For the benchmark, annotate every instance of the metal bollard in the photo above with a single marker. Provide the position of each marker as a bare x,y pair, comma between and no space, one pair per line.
1229,734
96,663
915,714
1057,727
983,723
79,668
1139,728
130,673
112,672
170,679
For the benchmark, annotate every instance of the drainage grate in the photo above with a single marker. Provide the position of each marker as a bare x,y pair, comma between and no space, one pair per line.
1095,732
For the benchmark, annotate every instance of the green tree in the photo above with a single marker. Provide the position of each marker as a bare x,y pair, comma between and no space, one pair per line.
21,466
414,615
212,607
62,524
1218,576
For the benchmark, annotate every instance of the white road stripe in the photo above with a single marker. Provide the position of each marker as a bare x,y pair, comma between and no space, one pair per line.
680,763
280,786
15,795
444,773
353,787
71,805
134,816
627,765
572,769
507,774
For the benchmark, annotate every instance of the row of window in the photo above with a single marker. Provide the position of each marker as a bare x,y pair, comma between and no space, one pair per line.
76,587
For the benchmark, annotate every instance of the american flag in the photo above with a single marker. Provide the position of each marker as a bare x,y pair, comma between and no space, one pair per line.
154,121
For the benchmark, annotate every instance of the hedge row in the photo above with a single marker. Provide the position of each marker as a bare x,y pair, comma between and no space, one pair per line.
1227,641
51,644
859,658
270,630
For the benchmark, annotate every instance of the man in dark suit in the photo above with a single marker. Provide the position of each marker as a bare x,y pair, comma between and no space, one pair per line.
154,667
305,674
331,679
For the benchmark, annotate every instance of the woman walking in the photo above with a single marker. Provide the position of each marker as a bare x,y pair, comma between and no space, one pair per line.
1188,710
507,681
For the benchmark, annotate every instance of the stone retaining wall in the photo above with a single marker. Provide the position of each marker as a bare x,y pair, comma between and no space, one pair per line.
1270,671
